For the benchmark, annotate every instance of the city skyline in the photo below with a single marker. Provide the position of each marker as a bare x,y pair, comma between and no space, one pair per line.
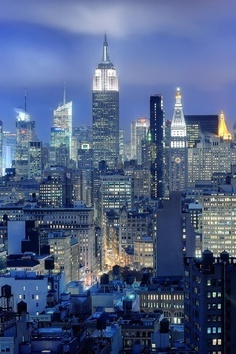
155,48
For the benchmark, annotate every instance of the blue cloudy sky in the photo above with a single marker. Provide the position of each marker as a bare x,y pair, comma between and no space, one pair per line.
155,45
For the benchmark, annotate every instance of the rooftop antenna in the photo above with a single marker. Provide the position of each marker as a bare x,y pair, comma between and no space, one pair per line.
64,93
25,101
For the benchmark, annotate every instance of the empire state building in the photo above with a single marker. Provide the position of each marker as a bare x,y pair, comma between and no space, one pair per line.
105,105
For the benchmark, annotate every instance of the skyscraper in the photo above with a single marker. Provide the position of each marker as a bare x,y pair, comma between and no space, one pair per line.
178,161
25,132
209,303
197,124
9,144
139,130
219,222
62,118
105,111
156,138
35,160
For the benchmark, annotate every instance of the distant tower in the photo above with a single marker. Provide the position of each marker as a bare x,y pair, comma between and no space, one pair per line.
62,118
178,161
222,128
25,132
156,137
139,130
105,106
9,145
35,160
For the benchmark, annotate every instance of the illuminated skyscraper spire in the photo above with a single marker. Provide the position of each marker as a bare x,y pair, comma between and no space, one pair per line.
105,57
222,128
178,125
178,162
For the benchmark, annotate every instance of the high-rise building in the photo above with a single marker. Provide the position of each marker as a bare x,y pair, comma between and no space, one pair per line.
105,106
62,118
25,132
219,222
35,160
178,160
157,134
122,149
56,188
9,144
209,303
197,124
174,236
211,154
139,130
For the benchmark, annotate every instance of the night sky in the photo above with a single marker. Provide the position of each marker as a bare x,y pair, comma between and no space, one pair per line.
155,45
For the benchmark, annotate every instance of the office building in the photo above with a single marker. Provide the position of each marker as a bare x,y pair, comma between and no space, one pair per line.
139,130
83,135
116,191
8,149
197,124
156,138
25,132
105,106
209,303
59,137
174,237
133,225
62,118
143,252
210,155
122,146
56,188
178,152
65,251
35,160
219,223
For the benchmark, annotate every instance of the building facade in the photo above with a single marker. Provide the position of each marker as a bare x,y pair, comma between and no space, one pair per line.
62,118
139,130
156,138
209,305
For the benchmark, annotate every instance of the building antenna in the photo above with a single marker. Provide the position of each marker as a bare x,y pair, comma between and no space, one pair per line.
25,100
64,93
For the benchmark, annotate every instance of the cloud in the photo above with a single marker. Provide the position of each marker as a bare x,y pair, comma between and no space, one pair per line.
186,42
119,18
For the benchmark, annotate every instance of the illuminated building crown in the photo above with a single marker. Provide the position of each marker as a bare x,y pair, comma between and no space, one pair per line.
222,128
178,125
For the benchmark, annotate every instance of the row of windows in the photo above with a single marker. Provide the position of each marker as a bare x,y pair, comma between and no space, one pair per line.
213,294
162,297
36,288
36,297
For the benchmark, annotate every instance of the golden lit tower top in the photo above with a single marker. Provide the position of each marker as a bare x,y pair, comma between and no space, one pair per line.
222,128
